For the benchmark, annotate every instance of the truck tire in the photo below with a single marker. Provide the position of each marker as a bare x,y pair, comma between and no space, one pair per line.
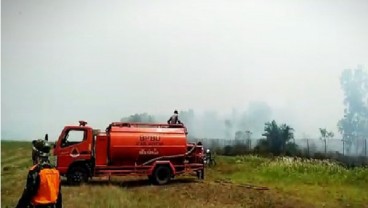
161,175
77,175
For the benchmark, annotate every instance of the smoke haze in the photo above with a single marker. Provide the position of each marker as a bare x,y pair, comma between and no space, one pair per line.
246,62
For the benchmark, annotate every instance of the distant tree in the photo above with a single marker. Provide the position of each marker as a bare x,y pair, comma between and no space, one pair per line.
239,135
228,128
228,150
248,134
354,125
214,144
287,133
142,117
277,137
243,138
248,137
242,142
325,135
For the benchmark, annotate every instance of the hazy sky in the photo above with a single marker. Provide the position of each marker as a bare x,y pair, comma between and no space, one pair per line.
63,61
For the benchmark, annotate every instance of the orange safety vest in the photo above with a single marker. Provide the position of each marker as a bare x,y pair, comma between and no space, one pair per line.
48,190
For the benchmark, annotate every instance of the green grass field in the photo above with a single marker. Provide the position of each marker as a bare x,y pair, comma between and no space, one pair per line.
234,182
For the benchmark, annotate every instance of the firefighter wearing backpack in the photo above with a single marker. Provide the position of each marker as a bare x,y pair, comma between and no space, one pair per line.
43,187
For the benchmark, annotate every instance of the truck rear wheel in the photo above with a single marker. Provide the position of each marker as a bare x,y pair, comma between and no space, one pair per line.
77,175
161,175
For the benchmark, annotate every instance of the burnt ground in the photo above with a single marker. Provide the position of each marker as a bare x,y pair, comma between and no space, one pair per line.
188,192
129,192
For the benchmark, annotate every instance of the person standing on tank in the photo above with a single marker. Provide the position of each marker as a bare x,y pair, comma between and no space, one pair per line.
174,119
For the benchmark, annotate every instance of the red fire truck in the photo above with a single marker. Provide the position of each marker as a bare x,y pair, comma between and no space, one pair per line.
159,151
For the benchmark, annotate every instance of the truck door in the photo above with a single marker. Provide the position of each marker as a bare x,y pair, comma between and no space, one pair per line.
74,145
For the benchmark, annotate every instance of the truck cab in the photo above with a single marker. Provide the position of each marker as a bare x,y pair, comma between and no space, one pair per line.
74,146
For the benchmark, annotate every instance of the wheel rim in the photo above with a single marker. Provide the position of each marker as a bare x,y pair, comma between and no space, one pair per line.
77,176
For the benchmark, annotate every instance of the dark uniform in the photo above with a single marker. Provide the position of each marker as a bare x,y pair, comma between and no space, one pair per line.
35,143
208,155
43,187
174,119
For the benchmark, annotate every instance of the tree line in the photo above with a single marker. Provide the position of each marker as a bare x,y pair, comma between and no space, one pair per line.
278,138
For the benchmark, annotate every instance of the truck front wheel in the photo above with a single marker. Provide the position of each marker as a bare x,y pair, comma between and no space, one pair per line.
77,175
161,175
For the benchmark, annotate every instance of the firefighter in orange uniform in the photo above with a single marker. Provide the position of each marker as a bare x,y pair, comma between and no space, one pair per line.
43,187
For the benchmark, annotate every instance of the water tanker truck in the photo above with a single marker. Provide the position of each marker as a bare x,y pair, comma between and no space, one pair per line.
157,151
